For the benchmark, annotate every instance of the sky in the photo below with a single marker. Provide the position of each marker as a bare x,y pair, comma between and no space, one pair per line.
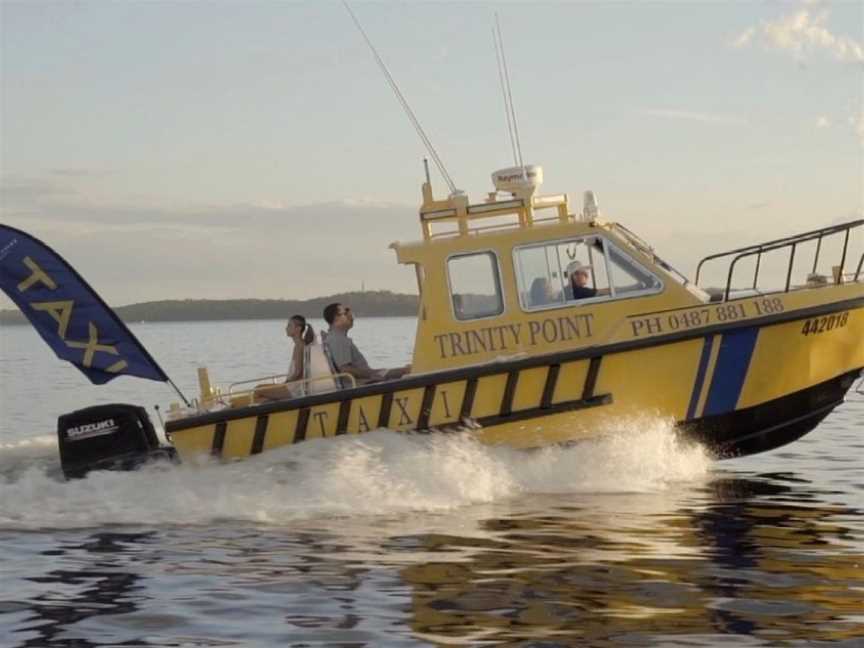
173,150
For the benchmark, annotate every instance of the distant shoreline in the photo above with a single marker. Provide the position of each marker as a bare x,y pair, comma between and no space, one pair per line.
378,303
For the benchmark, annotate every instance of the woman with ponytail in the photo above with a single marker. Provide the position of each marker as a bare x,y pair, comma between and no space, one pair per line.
302,335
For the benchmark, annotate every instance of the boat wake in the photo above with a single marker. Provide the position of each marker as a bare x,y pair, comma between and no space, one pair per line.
379,473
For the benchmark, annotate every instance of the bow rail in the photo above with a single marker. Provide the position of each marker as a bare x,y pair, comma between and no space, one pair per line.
791,242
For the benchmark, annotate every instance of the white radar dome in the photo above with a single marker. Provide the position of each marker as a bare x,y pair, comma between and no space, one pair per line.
515,179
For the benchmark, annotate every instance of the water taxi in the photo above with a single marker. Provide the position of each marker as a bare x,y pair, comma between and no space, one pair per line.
515,347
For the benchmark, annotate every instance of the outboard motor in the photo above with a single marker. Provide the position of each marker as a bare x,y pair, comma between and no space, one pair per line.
108,437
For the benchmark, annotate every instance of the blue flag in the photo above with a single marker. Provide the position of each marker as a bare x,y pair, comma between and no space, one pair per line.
68,314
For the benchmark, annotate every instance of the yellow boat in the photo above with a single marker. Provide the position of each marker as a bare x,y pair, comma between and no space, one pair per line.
506,348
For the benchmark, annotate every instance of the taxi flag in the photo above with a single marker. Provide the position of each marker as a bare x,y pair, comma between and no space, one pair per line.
78,326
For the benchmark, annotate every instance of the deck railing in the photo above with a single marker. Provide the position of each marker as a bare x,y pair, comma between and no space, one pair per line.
791,242
233,392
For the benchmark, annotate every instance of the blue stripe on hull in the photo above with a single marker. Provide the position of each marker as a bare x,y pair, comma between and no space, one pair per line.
700,375
733,360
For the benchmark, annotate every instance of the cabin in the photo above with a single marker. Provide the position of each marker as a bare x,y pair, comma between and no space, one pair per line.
495,277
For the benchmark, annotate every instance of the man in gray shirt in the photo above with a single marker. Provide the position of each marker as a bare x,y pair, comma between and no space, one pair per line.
345,354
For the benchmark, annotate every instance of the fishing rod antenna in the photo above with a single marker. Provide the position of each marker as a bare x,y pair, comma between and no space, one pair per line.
509,109
404,102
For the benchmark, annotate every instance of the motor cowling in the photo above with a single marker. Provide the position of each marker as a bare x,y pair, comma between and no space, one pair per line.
108,437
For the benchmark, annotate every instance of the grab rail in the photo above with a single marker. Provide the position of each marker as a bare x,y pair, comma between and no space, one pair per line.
791,242
305,381
253,380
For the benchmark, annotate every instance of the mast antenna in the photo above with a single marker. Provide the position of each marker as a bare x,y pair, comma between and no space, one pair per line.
504,95
414,121
510,111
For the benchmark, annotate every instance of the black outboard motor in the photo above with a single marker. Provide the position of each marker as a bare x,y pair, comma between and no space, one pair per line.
108,437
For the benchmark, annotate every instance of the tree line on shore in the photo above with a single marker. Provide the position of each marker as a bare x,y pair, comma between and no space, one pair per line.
377,303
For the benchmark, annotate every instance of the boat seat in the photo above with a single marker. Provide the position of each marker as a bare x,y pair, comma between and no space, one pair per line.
241,400
318,370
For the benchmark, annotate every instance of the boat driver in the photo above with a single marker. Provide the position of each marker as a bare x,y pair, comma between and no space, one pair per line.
345,354
578,287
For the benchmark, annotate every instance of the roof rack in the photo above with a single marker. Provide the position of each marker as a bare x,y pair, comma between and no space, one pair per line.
457,210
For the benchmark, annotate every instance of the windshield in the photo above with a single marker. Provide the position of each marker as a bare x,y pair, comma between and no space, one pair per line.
637,242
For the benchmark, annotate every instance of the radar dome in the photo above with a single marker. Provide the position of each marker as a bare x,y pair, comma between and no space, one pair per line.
518,179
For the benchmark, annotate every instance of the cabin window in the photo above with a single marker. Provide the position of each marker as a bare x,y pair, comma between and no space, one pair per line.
475,286
539,271
585,269
628,276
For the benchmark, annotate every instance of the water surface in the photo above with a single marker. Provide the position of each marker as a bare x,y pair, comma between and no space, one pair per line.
403,540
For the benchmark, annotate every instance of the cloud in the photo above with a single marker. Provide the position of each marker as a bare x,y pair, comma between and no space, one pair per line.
707,118
27,190
801,34
77,173
744,38
855,123
258,249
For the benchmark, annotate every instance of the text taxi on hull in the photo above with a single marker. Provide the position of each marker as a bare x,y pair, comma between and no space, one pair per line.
536,326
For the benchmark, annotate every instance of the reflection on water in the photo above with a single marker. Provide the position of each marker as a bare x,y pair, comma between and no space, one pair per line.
740,566
70,597
750,557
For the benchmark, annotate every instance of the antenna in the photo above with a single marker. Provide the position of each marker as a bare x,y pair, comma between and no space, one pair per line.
433,154
508,100
504,94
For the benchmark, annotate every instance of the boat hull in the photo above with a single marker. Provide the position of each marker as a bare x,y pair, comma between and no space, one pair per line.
738,387
770,425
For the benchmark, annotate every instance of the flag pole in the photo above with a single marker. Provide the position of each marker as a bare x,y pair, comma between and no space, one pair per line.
177,389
